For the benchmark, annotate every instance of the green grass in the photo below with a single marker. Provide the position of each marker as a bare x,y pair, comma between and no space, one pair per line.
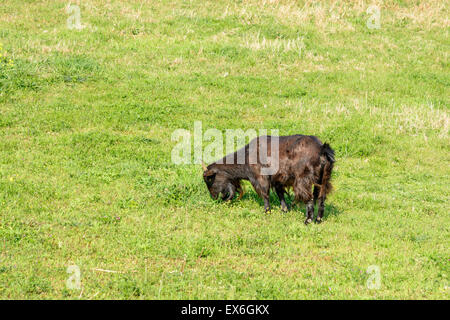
86,178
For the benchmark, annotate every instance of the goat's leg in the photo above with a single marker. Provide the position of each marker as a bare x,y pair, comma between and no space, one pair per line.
321,209
230,193
265,193
316,194
262,188
266,204
280,193
309,211
302,191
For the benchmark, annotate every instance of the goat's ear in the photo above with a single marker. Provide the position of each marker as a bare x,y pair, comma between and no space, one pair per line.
208,173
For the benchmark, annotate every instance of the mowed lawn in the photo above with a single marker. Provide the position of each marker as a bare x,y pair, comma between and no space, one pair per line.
87,116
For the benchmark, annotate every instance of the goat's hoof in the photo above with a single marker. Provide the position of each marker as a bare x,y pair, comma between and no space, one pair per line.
308,221
284,209
318,220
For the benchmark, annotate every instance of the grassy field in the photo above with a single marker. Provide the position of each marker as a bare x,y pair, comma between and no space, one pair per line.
86,177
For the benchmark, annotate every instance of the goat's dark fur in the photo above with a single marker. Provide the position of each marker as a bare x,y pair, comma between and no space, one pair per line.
305,164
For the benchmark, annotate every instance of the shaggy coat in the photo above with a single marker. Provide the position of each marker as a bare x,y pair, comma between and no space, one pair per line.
304,163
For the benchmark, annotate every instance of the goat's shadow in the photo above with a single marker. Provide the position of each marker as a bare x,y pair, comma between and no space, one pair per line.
330,209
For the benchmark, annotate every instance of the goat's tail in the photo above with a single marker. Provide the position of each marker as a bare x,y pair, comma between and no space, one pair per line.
327,158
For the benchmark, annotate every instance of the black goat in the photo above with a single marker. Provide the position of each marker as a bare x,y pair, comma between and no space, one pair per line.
302,162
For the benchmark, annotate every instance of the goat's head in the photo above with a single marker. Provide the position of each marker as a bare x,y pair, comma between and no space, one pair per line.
218,182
